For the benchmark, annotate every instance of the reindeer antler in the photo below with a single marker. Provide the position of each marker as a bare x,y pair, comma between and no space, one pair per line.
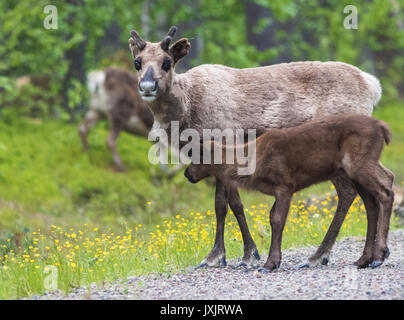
165,43
138,41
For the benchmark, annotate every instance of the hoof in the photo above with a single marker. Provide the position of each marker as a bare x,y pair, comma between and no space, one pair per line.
386,253
271,266
240,265
361,265
256,255
263,270
379,260
302,265
375,264
201,265
314,262
249,261
363,262
221,263
269,269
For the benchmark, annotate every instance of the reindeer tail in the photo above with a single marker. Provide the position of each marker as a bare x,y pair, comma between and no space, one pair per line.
386,131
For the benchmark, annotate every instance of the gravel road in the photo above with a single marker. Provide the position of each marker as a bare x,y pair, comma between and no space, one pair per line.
339,280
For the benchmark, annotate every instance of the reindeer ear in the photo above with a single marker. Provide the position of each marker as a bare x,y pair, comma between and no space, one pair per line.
180,49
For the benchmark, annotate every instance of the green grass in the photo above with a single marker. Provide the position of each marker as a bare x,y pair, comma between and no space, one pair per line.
46,179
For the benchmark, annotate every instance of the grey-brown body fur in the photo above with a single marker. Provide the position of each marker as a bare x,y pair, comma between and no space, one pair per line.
277,96
283,95
292,159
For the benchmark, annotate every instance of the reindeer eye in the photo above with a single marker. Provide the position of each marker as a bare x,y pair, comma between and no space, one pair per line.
166,64
138,63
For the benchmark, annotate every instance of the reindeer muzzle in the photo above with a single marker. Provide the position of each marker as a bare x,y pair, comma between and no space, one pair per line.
189,177
148,85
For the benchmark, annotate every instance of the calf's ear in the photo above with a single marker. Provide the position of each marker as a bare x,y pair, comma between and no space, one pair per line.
180,49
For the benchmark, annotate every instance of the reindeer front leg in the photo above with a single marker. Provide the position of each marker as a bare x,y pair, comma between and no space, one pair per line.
251,255
217,257
277,219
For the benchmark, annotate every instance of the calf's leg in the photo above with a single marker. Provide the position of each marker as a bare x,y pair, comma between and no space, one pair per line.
378,181
346,195
372,211
251,255
385,180
217,257
277,220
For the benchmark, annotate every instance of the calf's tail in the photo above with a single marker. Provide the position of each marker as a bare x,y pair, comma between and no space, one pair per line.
386,131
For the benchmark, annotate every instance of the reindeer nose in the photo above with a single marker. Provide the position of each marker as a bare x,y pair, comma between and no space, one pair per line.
148,83
148,86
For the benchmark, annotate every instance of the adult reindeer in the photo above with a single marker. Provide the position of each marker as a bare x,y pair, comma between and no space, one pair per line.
277,96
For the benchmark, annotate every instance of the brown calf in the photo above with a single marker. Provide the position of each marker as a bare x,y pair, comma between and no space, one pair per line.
291,159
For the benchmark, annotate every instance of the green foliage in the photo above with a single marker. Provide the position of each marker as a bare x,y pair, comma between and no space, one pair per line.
27,48
304,30
376,46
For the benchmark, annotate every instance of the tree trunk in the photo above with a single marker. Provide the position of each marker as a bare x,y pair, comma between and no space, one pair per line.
191,24
145,19
266,39
76,70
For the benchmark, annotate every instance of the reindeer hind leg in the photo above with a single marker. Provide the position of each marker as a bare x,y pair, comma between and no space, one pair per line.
346,195
372,211
378,182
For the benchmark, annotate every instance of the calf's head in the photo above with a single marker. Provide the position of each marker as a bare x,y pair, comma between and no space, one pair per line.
155,62
203,168
196,172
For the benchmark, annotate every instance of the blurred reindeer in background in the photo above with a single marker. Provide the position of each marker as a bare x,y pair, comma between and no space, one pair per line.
114,96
